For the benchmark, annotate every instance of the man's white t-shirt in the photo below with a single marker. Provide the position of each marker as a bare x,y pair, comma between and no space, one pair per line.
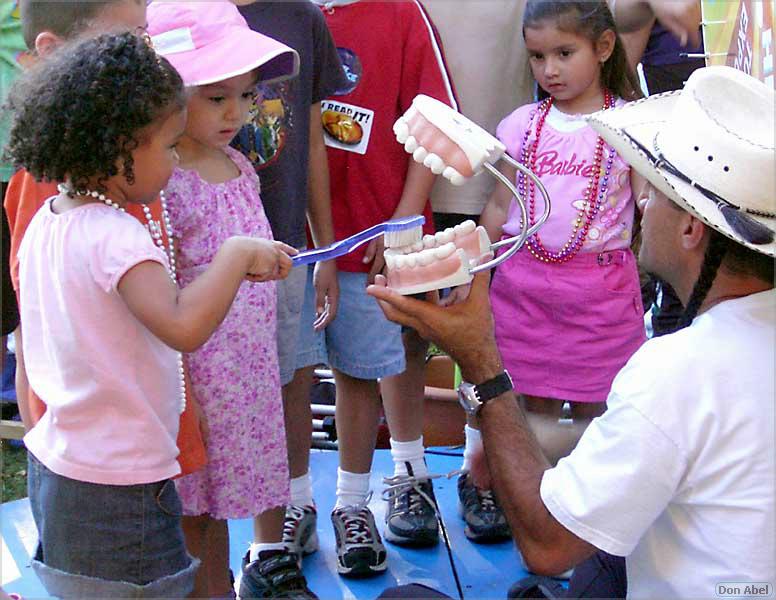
678,474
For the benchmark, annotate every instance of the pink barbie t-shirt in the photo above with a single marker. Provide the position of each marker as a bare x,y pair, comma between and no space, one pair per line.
110,386
564,162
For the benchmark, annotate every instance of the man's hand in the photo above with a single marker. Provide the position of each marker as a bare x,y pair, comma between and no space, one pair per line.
681,17
464,330
326,293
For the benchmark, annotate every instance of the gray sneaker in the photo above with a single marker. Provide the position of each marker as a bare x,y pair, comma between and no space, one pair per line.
360,551
485,522
300,533
411,518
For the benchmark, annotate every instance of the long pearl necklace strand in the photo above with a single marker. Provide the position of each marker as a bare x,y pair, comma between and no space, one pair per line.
156,235
594,194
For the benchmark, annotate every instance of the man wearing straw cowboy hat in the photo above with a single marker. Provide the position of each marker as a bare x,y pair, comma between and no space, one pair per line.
678,474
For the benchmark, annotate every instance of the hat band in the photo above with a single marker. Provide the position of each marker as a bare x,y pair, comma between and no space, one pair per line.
736,216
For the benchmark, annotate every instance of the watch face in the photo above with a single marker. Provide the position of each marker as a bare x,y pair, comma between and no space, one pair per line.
468,398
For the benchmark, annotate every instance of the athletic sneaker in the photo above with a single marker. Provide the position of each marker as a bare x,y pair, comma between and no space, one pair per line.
275,574
411,518
360,551
485,521
300,534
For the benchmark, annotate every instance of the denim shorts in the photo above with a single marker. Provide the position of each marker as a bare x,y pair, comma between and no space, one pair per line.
108,541
360,342
291,292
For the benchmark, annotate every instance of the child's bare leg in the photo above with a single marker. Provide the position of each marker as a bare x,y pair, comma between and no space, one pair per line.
217,546
403,394
403,398
208,539
357,416
268,526
298,421
555,438
194,536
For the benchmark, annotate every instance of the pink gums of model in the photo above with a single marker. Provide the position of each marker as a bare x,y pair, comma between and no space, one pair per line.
438,261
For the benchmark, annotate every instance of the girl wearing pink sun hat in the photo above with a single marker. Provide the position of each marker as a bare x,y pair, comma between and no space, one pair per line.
213,195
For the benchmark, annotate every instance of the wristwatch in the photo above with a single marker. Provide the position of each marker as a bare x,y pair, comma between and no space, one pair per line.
473,397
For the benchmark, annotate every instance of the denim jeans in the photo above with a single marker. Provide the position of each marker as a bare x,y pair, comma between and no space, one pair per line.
108,541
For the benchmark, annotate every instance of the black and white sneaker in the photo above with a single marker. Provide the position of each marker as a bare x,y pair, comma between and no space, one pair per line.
360,551
411,518
275,574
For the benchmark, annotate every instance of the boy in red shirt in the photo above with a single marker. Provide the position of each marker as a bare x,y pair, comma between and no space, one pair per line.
390,54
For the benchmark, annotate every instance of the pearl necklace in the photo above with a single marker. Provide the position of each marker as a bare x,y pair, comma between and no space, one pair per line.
156,235
594,194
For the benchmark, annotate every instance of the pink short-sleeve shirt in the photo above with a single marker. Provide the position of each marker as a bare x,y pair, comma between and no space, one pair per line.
110,386
564,163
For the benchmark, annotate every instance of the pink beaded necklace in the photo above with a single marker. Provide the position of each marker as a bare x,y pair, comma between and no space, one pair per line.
594,194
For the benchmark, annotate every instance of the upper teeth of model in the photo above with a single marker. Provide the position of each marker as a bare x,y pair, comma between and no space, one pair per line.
423,156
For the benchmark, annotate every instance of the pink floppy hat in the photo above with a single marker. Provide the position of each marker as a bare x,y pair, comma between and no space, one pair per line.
210,41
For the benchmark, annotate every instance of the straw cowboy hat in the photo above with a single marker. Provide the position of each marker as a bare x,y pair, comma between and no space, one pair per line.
709,148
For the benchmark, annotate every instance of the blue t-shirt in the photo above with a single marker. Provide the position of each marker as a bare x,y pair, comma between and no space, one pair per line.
277,139
664,49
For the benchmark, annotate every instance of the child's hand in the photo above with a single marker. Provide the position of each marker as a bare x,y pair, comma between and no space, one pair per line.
267,259
326,293
374,255
456,295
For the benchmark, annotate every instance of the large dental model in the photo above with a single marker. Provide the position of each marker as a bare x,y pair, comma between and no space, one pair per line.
453,146
442,260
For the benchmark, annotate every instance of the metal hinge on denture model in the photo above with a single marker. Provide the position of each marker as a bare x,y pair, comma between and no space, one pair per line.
457,148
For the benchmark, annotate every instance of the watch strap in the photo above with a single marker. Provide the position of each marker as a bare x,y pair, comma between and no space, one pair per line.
500,384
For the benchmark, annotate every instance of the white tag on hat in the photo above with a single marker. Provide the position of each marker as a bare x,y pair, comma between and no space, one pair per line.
173,41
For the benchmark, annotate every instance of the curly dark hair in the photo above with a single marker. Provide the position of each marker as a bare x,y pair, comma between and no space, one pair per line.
77,114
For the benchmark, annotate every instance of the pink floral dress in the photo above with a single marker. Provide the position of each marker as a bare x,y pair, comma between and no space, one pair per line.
235,373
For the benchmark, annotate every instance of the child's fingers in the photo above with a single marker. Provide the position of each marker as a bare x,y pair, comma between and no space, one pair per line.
289,250
323,318
377,267
371,250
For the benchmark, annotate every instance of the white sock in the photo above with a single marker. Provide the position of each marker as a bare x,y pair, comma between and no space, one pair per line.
473,445
257,547
409,452
352,488
302,490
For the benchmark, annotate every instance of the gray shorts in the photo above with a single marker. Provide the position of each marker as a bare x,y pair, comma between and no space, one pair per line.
290,301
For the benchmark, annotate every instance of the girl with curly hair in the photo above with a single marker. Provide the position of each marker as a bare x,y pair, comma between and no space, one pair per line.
105,322
213,194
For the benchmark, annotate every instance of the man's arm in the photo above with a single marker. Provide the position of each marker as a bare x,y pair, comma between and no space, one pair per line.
681,17
514,457
321,226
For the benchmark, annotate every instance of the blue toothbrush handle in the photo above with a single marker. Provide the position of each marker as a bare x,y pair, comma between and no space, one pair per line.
347,245
338,249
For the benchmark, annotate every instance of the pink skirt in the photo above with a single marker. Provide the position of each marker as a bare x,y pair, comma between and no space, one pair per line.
565,330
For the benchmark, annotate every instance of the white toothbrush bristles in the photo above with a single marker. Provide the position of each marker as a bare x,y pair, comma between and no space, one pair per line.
407,237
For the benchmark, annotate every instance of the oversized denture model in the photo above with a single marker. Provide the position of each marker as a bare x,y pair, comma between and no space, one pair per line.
438,261
445,141
453,146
